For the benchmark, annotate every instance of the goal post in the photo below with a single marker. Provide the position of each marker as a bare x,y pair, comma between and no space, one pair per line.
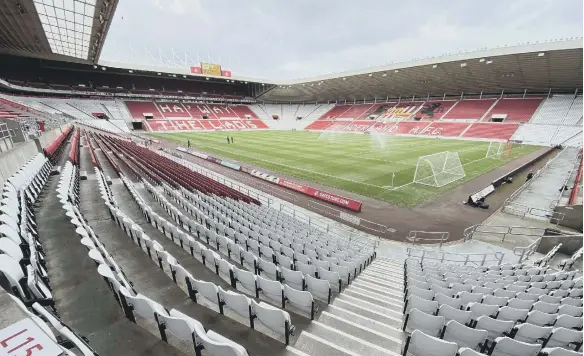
439,169
499,149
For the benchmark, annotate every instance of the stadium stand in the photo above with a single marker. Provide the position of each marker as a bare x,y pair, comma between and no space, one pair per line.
491,130
554,110
515,110
469,109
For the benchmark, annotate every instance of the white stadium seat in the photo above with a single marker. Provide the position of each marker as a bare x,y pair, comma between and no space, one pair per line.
420,344
464,336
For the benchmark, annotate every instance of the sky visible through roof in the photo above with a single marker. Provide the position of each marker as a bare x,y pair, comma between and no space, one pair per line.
301,38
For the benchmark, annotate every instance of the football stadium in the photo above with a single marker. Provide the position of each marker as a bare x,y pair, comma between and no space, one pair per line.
282,195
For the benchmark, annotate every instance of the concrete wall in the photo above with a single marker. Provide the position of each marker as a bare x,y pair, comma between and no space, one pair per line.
13,160
570,244
18,135
572,216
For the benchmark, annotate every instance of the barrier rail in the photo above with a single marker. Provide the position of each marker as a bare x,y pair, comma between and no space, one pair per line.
524,210
525,252
352,239
476,259
575,188
352,219
417,236
503,231
576,163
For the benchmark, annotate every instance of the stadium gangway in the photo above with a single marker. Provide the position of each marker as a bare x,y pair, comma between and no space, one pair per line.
319,224
473,259
502,231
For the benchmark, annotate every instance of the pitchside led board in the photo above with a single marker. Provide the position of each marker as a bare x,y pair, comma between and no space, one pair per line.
211,69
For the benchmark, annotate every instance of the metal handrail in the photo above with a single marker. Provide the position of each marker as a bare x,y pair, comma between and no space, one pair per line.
463,258
525,252
417,236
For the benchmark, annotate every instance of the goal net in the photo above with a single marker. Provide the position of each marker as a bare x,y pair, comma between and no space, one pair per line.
499,149
439,169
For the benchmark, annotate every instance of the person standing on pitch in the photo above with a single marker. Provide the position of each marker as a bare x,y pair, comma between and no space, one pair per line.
189,143
231,139
227,139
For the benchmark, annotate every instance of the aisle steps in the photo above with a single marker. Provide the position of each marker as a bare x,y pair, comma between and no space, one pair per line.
365,319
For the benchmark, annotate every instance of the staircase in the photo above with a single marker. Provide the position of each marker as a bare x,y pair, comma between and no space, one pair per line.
365,319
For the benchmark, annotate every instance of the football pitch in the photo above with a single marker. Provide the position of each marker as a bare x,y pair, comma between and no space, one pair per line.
363,164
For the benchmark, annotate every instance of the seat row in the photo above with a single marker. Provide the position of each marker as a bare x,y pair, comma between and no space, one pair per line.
421,344
52,150
136,305
280,218
22,259
294,285
280,253
273,318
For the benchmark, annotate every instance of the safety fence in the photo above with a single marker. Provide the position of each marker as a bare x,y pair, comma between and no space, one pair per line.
473,259
427,237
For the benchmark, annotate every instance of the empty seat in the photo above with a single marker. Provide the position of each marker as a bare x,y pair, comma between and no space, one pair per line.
273,290
566,338
426,306
549,299
512,314
546,307
576,302
495,328
466,298
418,320
570,310
478,310
273,318
504,346
239,303
450,313
464,336
568,322
492,300
542,319
520,303
445,300
505,293
531,334
420,344
558,351
319,288
332,277
300,299
419,292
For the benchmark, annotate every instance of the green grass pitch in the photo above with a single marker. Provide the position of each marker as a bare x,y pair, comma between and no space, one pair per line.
363,164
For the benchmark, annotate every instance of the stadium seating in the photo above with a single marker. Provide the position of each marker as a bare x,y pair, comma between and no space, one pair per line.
469,109
554,109
435,109
138,108
402,110
517,110
491,130
336,112
319,125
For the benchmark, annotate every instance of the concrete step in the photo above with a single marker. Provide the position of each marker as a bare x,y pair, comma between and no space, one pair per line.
312,345
360,300
387,301
374,287
363,321
385,274
361,332
347,343
366,311
381,283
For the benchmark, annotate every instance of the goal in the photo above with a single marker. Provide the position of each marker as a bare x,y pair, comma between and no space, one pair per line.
439,169
499,149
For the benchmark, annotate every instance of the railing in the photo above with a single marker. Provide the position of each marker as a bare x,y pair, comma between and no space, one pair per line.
476,259
575,165
502,231
524,210
427,237
525,252
314,223
352,219
528,183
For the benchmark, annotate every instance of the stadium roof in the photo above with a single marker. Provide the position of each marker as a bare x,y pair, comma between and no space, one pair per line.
66,30
538,67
